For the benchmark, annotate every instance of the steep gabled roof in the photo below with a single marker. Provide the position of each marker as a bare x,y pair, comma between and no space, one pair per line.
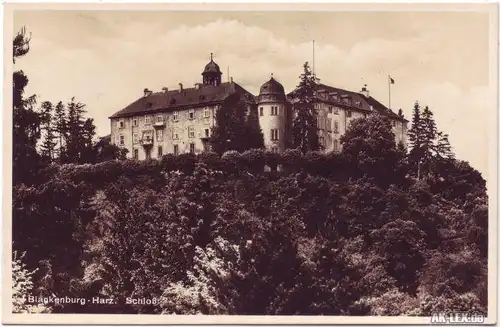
358,101
179,99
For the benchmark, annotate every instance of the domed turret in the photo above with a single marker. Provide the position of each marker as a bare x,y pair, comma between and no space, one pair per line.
273,115
211,74
272,87
272,90
211,67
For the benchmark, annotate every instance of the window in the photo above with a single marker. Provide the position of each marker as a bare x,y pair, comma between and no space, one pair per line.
159,135
176,149
175,116
335,126
159,119
206,113
122,139
329,124
349,113
274,149
207,132
175,136
394,123
274,134
147,120
136,154
336,110
274,111
160,151
135,138
321,141
135,122
330,109
336,145
191,114
261,109
122,124
191,132
191,148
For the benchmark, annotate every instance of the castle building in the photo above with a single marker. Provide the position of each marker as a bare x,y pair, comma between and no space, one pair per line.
180,121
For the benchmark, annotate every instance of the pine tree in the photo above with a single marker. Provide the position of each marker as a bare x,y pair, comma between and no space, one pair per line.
60,129
87,151
304,132
26,120
74,136
442,147
415,137
49,140
428,137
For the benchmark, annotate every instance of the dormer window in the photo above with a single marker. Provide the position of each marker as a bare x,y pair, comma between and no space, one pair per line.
172,101
149,105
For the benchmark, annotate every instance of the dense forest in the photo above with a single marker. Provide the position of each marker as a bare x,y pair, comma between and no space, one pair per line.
377,229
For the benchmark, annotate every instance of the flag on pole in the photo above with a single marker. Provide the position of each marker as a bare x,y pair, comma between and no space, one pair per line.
391,79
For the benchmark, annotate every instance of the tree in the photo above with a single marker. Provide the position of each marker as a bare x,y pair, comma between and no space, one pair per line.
304,133
26,120
104,150
87,145
49,141
235,129
442,147
415,136
22,287
428,137
369,146
75,123
60,129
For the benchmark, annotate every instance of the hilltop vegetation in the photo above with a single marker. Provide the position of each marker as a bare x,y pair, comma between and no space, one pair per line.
373,230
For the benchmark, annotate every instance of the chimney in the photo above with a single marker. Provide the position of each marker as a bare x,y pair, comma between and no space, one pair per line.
147,92
197,86
180,87
164,89
365,91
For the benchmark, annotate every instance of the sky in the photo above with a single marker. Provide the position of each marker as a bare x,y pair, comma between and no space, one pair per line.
105,59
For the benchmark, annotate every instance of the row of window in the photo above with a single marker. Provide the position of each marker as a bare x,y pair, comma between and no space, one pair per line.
191,115
274,111
159,135
135,155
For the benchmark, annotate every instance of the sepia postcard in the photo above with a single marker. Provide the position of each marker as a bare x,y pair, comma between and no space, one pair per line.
250,163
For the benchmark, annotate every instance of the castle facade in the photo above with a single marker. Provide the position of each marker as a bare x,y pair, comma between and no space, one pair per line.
180,121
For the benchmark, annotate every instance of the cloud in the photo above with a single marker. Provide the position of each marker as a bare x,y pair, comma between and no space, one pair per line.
109,71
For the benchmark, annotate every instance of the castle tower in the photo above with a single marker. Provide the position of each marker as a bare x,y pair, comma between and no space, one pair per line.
212,74
274,113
